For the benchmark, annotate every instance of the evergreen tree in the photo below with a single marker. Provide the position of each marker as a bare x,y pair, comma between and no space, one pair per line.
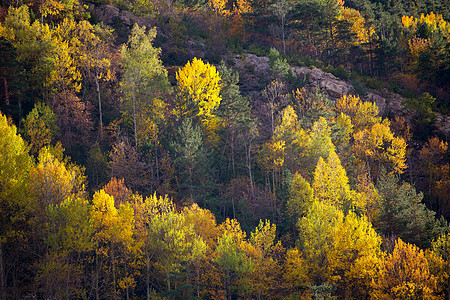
404,215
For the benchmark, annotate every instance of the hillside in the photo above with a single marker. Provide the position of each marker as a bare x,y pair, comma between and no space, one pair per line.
279,149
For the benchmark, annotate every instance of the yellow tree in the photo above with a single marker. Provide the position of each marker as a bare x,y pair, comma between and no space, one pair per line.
300,197
330,183
354,257
265,268
295,272
338,249
53,180
404,274
15,164
316,231
372,142
112,237
40,127
199,95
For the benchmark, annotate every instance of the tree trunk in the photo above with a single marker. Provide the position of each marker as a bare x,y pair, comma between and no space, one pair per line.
99,107
134,119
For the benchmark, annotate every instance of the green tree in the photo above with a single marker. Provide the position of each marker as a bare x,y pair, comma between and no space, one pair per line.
40,127
190,157
145,78
403,214
235,114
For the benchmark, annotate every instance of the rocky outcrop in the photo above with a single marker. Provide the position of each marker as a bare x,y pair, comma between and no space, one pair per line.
328,83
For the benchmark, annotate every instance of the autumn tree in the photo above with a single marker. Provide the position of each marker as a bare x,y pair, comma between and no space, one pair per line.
300,197
199,96
330,184
405,273
145,78
34,44
15,164
338,249
74,120
373,142
231,258
125,163
112,238
40,127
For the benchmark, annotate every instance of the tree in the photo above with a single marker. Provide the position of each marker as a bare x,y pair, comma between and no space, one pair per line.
34,44
403,214
12,76
316,231
53,180
126,164
231,258
73,120
405,274
40,127
15,164
112,237
190,157
319,145
170,241
330,184
300,198
234,112
95,63
373,142
355,256
338,249
266,268
145,78
69,240
199,96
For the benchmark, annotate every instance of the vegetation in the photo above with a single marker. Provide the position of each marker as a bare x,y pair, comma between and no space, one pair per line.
134,163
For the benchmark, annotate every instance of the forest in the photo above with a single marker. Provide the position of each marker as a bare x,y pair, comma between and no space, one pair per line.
147,153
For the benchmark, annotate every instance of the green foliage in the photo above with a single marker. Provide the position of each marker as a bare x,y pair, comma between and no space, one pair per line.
278,65
403,214
145,78
40,127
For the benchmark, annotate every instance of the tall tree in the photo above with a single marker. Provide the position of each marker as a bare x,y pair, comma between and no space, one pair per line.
145,78
199,96
235,114
15,164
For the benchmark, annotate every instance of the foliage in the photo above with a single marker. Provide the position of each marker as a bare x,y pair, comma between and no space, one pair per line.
405,273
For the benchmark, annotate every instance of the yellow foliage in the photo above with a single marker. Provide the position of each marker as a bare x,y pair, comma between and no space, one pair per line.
330,183
51,181
199,83
199,95
405,274
408,21
295,270
355,255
